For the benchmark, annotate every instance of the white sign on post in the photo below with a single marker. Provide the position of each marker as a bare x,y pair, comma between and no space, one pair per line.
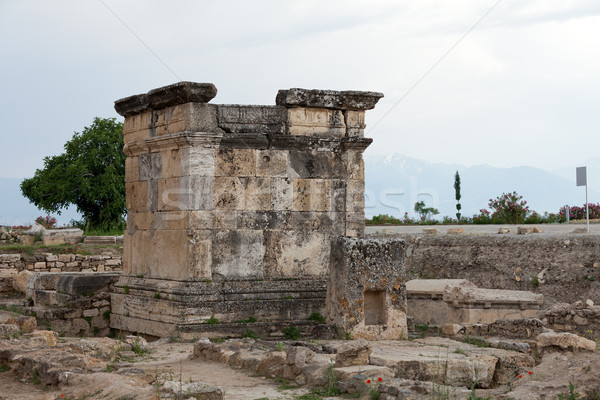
581,173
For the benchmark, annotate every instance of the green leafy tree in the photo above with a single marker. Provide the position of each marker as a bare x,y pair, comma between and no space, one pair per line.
457,194
425,212
90,174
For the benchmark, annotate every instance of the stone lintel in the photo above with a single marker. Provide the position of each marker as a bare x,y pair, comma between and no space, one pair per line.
333,99
173,141
166,96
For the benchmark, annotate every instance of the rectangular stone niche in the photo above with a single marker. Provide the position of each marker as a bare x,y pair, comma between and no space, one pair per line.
231,209
375,309
366,293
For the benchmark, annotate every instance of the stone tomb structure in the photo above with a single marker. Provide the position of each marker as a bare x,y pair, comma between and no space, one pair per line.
232,209
440,301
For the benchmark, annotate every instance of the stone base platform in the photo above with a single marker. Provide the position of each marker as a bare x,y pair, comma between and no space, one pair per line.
440,301
161,307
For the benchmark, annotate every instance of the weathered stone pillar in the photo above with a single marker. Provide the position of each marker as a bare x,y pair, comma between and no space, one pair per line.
232,209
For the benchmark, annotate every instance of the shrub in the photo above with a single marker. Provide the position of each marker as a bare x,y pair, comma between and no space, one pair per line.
509,208
291,332
576,212
316,317
47,222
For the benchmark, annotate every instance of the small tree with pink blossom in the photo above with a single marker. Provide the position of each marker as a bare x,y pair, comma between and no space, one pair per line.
510,208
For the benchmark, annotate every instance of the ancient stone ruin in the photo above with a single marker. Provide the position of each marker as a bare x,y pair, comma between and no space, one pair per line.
232,209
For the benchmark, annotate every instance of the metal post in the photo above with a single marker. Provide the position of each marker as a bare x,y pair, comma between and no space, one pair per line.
587,209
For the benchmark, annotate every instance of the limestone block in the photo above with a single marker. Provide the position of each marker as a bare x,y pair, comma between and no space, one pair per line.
252,119
171,164
137,196
171,220
312,195
430,231
238,254
355,123
49,337
355,195
140,220
258,194
271,163
9,258
168,194
452,329
7,330
132,169
565,341
166,96
229,193
20,281
297,253
355,166
355,352
137,123
366,294
503,230
524,230
343,100
196,192
200,256
236,162
127,253
168,256
150,166
39,265
316,164
316,122
455,231
282,194
51,257
197,161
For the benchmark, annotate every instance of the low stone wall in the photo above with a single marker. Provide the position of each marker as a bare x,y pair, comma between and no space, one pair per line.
12,264
562,268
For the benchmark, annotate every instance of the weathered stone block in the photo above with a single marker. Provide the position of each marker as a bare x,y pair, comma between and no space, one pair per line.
345,100
366,294
238,254
195,193
316,122
229,193
236,162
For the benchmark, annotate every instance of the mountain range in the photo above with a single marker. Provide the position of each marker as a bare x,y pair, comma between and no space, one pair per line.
394,183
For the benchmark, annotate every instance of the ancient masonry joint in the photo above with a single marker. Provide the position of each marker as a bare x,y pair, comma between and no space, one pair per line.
232,209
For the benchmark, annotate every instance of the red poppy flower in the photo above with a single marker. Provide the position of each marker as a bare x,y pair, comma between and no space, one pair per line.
520,376
530,372
368,381
379,379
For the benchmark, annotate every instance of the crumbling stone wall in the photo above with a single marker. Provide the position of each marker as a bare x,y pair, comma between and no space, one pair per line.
12,264
562,268
225,200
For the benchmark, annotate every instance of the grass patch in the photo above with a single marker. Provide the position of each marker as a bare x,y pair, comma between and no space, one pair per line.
316,317
285,384
212,320
291,332
4,368
251,334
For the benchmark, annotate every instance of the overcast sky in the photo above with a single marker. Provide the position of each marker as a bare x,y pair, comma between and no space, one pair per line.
521,88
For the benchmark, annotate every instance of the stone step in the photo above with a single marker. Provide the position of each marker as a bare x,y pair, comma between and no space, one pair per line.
452,362
100,240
